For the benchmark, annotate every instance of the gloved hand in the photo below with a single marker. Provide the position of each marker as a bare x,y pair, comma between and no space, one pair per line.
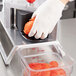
47,15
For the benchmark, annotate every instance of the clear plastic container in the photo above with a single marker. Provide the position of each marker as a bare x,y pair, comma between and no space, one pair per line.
45,55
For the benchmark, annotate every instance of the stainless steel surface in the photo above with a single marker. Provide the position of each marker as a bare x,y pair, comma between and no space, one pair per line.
14,69
5,40
0,0
67,38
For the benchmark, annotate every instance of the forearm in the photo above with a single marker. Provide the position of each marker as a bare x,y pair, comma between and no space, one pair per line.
65,1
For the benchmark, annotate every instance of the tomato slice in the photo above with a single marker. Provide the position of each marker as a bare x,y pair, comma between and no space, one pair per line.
28,26
58,72
53,64
39,66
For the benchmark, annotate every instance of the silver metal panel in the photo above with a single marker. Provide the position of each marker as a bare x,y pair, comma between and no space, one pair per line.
5,40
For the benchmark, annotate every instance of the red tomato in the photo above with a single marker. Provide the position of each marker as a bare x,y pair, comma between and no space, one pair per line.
30,1
39,66
58,72
53,64
28,26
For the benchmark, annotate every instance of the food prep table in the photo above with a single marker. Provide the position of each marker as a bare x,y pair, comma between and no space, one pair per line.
66,36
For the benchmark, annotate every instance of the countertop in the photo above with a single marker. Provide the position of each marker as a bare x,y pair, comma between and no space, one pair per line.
67,38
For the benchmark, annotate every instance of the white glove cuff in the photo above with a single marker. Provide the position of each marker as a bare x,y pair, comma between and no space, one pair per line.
56,5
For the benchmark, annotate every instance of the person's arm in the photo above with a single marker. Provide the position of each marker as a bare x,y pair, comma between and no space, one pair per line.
47,15
65,1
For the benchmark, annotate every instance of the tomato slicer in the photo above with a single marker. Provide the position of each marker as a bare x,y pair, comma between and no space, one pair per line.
11,31
11,27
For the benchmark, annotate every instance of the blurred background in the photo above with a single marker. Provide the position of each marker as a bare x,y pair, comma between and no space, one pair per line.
70,10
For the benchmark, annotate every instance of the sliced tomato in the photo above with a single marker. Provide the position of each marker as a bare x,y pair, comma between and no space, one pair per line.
53,64
39,66
58,72
28,26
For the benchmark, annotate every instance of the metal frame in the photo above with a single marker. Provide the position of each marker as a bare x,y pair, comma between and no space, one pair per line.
10,38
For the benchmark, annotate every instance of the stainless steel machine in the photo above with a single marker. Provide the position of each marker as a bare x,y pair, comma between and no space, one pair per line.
11,26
